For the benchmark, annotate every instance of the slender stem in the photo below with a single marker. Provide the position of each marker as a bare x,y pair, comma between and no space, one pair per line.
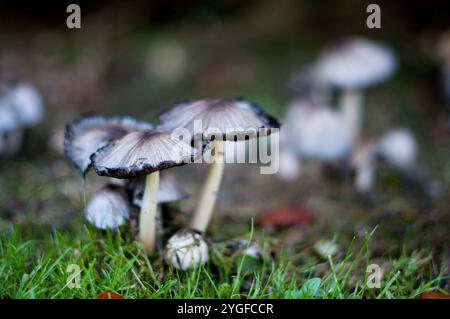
211,186
351,103
147,223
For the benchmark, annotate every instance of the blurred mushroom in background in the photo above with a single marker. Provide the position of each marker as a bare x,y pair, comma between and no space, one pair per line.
312,131
21,106
350,66
398,148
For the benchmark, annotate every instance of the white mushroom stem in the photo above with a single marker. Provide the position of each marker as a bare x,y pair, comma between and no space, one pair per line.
351,103
365,176
211,186
147,223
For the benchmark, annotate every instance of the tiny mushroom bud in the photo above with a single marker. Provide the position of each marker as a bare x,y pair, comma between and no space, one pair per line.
108,209
143,153
219,120
186,249
89,133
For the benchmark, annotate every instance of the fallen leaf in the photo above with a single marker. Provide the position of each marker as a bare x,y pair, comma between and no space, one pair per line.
433,295
285,216
109,295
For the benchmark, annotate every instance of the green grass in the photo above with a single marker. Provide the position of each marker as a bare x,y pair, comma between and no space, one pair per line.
37,268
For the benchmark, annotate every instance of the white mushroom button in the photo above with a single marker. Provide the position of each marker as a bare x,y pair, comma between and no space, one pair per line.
186,250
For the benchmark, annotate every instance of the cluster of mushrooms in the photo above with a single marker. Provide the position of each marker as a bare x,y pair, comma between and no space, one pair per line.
142,154
21,107
314,129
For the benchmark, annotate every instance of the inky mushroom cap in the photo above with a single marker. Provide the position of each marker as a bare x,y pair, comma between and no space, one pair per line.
353,64
108,209
169,189
233,119
141,153
87,134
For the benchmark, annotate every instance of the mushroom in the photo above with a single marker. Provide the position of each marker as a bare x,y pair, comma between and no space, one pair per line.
20,106
219,120
363,162
87,134
398,148
186,249
9,126
350,66
143,153
28,103
169,189
108,209
312,131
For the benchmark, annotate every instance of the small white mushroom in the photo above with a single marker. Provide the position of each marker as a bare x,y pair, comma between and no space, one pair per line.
28,103
350,66
186,249
108,209
398,148
311,131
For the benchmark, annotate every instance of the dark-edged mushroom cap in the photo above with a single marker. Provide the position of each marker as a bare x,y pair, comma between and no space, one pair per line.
354,63
233,119
86,135
169,189
108,209
142,153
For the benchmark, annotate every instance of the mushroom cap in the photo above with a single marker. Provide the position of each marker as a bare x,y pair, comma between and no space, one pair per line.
108,209
27,102
398,148
354,64
86,135
141,153
169,189
232,119
315,132
186,249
